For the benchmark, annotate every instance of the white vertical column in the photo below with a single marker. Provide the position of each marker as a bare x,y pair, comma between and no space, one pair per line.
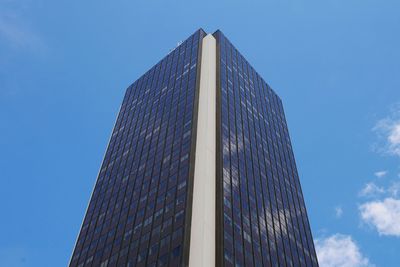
202,236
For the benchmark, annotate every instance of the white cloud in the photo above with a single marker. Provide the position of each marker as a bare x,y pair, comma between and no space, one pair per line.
340,251
394,136
338,212
380,174
384,215
371,190
388,131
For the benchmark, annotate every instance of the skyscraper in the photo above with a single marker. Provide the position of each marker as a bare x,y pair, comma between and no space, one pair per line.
199,170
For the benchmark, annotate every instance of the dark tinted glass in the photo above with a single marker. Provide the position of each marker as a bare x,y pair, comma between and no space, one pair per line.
261,213
137,212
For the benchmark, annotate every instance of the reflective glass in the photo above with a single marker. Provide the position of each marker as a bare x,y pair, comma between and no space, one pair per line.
140,199
262,211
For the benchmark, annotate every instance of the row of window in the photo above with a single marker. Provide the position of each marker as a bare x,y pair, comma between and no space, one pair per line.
136,214
264,219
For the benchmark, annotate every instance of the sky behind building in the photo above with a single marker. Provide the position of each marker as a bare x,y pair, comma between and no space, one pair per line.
64,68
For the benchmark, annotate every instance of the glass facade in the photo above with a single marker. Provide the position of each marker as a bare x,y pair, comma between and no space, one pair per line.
140,210
261,215
137,215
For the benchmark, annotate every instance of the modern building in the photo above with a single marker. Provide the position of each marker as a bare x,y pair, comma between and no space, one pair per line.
199,170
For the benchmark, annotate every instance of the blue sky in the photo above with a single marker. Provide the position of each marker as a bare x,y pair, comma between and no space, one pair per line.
64,67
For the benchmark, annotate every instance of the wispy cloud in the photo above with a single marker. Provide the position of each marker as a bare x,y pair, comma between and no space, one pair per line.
380,174
340,251
338,212
371,190
384,215
394,189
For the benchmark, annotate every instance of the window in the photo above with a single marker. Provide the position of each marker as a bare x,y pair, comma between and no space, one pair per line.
146,164
176,252
228,255
184,157
177,233
179,215
165,241
181,185
104,263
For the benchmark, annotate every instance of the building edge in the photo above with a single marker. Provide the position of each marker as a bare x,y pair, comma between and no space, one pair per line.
97,177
